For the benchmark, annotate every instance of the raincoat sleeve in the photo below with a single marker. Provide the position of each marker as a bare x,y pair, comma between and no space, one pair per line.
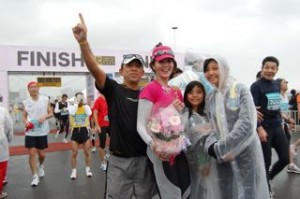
242,131
211,139
144,111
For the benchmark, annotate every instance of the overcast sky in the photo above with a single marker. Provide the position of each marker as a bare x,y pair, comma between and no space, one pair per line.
243,31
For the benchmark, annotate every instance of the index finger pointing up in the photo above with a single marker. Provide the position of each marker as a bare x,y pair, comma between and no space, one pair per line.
81,19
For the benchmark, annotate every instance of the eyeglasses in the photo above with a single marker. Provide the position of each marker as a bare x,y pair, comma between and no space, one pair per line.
163,52
129,56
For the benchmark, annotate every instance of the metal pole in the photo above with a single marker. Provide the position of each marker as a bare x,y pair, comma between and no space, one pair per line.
174,28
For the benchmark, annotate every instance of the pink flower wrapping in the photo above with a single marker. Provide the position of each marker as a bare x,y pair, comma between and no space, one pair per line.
166,127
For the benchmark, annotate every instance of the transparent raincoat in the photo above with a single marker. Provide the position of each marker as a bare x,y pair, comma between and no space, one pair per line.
197,129
238,171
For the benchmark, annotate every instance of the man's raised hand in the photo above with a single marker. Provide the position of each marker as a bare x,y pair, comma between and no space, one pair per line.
80,31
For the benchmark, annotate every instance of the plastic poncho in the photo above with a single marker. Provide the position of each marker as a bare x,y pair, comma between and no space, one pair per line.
197,130
239,166
193,70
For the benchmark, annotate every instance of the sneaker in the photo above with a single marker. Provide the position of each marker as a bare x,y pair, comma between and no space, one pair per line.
56,135
89,173
107,154
292,168
5,181
293,149
3,195
41,171
103,166
65,141
35,180
94,149
73,174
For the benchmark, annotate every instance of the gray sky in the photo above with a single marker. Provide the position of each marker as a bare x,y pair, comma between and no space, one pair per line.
243,31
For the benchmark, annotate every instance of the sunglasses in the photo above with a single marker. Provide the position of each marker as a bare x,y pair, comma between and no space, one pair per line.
129,56
163,52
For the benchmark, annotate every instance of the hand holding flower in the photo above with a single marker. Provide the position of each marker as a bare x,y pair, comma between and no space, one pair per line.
166,127
178,105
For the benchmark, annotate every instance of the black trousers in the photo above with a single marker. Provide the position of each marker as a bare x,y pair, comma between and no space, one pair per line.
276,139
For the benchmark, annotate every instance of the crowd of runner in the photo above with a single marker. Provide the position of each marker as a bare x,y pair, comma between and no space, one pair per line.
200,135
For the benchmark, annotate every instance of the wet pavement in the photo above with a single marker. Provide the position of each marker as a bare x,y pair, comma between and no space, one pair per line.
57,183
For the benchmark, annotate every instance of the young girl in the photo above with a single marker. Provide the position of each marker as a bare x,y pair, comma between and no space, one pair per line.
197,129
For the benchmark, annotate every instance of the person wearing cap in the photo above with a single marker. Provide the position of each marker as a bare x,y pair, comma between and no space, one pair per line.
173,179
128,172
36,112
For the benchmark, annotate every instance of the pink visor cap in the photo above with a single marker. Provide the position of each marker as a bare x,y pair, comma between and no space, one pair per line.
162,52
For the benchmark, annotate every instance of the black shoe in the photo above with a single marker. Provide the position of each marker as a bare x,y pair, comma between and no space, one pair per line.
5,181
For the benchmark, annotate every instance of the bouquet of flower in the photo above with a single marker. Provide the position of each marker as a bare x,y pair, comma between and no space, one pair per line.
166,127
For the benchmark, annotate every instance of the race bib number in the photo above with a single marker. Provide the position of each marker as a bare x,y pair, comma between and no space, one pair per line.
79,120
273,101
64,111
37,125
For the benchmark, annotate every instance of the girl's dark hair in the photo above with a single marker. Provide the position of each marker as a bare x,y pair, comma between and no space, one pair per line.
188,89
206,62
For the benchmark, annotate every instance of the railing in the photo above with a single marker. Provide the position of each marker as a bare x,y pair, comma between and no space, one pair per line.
294,115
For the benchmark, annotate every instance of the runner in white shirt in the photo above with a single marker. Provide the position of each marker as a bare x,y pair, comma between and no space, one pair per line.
36,111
